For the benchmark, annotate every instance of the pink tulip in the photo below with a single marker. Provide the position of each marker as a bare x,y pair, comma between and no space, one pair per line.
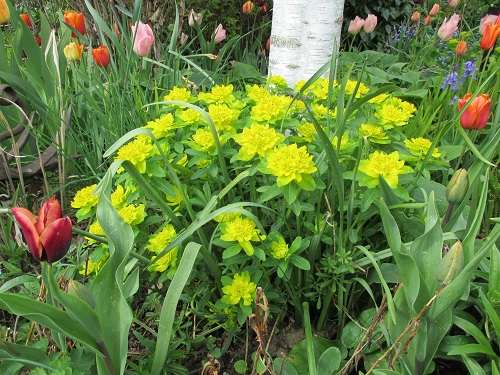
370,23
220,34
355,25
192,17
489,18
144,38
434,10
448,28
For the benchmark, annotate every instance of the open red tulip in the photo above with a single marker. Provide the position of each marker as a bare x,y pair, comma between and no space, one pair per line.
49,237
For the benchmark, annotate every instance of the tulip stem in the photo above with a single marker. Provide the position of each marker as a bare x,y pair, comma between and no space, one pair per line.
447,215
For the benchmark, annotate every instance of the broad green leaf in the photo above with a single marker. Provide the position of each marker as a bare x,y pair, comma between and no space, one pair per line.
329,361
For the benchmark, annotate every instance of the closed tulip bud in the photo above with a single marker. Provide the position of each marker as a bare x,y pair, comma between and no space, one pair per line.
4,12
370,23
194,17
476,114
448,28
261,2
49,236
457,188
144,38
248,7
452,3
101,56
415,17
356,25
76,20
434,10
26,18
263,10
428,20
461,48
79,290
73,51
268,44
451,265
219,34
490,36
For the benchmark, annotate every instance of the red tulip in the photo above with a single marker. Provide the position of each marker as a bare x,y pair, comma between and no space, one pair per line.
76,20
476,114
490,36
26,19
49,237
263,10
101,56
38,40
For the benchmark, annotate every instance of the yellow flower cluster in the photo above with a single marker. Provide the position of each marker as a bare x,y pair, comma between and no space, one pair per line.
223,117
380,164
258,139
394,112
270,109
137,152
157,243
243,230
219,94
419,147
85,200
240,289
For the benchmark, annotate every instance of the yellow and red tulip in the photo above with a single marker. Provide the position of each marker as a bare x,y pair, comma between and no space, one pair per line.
101,56
476,114
73,51
76,20
48,237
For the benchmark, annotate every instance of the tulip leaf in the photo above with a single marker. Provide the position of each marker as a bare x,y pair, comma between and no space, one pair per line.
167,315
48,316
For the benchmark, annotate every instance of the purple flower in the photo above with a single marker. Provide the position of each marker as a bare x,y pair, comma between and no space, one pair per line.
469,69
451,80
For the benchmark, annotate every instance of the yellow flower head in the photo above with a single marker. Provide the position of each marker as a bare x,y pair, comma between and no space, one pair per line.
175,200
163,263
351,85
290,163
162,126
258,139
203,140
119,196
190,116
387,165
419,147
257,93
95,228
279,248
307,130
378,99
242,230
223,117
320,88
321,111
159,241
133,214
219,94
270,109
94,265
374,133
180,94
298,86
278,81
85,200
241,288
137,152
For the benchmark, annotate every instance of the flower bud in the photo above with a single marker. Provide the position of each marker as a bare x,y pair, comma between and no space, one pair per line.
26,18
261,2
79,290
428,20
248,7
263,10
101,56
461,48
73,51
452,3
456,189
434,10
415,17
4,12
451,264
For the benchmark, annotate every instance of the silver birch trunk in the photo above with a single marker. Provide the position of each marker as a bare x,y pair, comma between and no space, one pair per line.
303,36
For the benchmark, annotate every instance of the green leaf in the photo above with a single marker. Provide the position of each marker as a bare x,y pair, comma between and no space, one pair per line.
300,262
169,307
329,361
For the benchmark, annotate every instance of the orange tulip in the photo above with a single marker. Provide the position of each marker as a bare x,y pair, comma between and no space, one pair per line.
101,56
490,36
434,10
476,114
461,48
248,7
76,20
26,19
48,237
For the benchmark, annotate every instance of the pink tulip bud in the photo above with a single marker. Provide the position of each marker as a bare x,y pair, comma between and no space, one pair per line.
219,34
355,25
192,17
415,17
144,38
370,23
434,10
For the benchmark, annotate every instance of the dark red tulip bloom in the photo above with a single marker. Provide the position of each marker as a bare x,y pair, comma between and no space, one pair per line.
49,237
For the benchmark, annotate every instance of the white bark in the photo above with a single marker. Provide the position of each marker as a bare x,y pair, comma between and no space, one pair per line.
303,36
